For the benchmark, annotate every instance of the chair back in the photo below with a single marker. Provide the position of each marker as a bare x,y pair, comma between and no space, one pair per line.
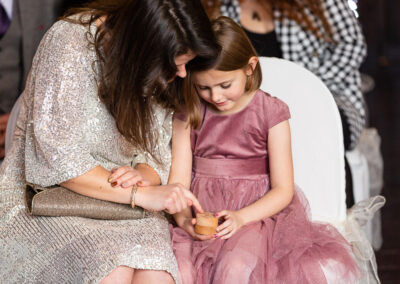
317,138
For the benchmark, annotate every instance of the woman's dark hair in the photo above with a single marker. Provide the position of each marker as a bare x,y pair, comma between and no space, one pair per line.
136,45
236,51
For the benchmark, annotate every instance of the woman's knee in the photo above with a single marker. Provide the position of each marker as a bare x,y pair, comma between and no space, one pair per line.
121,274
152,276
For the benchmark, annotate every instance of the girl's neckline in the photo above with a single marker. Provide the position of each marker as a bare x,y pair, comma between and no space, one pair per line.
250,102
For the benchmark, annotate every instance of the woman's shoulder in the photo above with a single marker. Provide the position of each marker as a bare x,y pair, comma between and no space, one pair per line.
69,32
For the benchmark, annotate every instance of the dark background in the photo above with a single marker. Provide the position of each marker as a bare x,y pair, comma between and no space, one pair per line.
380,22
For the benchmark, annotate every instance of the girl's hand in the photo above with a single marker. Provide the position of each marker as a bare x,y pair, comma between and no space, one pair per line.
125,177
188,224
172,198
233,222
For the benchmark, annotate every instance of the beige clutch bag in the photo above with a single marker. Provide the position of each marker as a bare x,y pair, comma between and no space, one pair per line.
58,201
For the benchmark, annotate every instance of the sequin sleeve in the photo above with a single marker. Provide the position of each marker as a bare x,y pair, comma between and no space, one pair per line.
63,75
163,131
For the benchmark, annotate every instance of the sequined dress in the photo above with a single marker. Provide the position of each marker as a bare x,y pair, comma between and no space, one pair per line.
63,131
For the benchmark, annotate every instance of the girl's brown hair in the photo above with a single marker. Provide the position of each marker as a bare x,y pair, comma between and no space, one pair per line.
309,14
236,51
136,46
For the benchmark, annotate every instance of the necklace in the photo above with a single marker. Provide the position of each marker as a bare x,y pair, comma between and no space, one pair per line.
255,16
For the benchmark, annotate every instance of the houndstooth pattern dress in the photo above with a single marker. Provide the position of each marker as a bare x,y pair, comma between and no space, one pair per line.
63,130
335,64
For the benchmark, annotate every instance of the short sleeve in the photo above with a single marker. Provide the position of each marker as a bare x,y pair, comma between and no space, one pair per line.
56,147
276,111
162,150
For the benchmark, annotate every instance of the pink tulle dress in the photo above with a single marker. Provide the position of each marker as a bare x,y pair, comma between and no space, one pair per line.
230,171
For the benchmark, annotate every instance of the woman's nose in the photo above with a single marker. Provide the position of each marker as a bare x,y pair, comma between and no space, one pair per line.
181,71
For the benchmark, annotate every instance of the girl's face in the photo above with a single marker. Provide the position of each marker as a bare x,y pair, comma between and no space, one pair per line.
224,90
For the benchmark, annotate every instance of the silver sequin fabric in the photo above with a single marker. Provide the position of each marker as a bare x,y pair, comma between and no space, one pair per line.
63,130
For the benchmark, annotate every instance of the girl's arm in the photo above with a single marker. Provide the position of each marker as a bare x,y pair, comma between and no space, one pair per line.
181,164
282,184
181,172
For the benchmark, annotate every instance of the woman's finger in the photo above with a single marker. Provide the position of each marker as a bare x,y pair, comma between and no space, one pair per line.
196,203
182,198
119,172
128,179
177,200
143,182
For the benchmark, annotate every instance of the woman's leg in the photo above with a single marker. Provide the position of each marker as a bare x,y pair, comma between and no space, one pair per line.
152,276
121,274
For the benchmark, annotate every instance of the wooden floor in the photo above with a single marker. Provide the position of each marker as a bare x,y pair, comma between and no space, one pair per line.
384,107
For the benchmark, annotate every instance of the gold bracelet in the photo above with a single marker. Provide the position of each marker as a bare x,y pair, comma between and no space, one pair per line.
134,189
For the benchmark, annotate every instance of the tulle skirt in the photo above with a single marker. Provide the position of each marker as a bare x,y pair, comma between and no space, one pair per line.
285,248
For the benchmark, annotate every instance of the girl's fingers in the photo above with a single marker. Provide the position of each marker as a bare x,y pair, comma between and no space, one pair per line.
224,225
222,213
224,232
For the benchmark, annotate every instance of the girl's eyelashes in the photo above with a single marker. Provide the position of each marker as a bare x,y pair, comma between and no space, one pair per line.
223,86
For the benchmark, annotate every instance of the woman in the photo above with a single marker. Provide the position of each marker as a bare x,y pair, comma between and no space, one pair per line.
100,95
323,36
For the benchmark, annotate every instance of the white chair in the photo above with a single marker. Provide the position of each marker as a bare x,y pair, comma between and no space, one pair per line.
318,155
317,139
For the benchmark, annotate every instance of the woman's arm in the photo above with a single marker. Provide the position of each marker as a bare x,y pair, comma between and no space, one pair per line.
94,183
282,185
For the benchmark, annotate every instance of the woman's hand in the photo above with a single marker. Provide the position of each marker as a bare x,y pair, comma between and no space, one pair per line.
233,222
126,177
188,224
172,198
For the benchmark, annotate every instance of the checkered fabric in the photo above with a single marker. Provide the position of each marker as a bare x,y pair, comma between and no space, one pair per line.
337,65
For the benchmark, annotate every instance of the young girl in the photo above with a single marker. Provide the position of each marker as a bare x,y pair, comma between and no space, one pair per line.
238,153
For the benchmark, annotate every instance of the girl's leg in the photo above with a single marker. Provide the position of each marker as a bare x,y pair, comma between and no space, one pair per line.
152,276
121,274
